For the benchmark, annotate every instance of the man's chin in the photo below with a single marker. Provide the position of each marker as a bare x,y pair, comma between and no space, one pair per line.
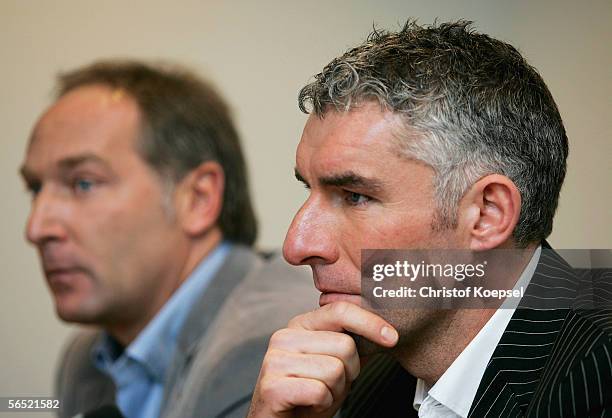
74,316
71,308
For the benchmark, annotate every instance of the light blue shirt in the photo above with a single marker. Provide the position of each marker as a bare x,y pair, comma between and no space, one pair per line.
139,371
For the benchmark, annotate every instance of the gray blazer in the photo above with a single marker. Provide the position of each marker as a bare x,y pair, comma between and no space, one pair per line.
220,347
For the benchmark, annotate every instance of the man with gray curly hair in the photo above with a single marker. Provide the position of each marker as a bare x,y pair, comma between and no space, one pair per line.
432,137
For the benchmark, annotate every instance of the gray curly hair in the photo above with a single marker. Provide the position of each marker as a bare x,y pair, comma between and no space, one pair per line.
477,106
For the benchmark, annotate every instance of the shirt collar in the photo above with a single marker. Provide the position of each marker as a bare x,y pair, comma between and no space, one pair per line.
154,347
457,387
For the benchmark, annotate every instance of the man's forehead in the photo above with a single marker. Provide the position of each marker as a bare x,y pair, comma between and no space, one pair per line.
367,129
89,120
87,105
350,141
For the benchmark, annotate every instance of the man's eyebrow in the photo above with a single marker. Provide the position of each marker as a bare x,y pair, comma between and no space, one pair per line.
72,162
66,164
346,179
351,179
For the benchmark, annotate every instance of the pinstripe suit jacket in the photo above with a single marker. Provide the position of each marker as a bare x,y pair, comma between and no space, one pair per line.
548,363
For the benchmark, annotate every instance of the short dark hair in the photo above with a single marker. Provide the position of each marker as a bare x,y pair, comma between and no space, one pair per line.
478,107
184,122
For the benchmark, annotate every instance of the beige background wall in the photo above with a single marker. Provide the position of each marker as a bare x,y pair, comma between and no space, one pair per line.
260,54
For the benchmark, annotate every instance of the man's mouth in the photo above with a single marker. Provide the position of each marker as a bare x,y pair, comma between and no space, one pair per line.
330,297
336,287
62,279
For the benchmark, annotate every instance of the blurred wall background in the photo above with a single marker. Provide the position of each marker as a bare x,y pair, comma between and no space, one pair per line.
259,54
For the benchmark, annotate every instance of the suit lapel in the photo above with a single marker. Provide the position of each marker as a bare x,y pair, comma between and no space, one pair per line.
95,388
517,363
93,394
516,366
235,267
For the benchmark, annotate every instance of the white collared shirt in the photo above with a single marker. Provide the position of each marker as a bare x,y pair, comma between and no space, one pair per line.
454,392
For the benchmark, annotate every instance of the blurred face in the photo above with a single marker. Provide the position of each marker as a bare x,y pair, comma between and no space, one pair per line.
109,250
362,195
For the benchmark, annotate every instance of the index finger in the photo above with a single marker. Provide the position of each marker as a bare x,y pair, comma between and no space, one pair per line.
344,316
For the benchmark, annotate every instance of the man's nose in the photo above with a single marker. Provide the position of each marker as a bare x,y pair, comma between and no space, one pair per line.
44,222
311,238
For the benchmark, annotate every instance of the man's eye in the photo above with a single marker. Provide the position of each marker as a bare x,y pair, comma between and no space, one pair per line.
356,199
83,185
33,188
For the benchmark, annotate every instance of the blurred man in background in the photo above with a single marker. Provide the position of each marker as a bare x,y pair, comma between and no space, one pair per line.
142,218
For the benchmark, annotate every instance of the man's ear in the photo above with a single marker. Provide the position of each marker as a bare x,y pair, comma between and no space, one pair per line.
489,212
200,198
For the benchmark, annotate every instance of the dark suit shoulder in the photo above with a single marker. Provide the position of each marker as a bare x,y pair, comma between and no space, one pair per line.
601,319
578,375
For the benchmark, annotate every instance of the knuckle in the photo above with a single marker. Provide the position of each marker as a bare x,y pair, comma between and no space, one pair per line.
340,308
265,365
270,362
270,390
319,393
346,346
278,338
337,370
296,321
